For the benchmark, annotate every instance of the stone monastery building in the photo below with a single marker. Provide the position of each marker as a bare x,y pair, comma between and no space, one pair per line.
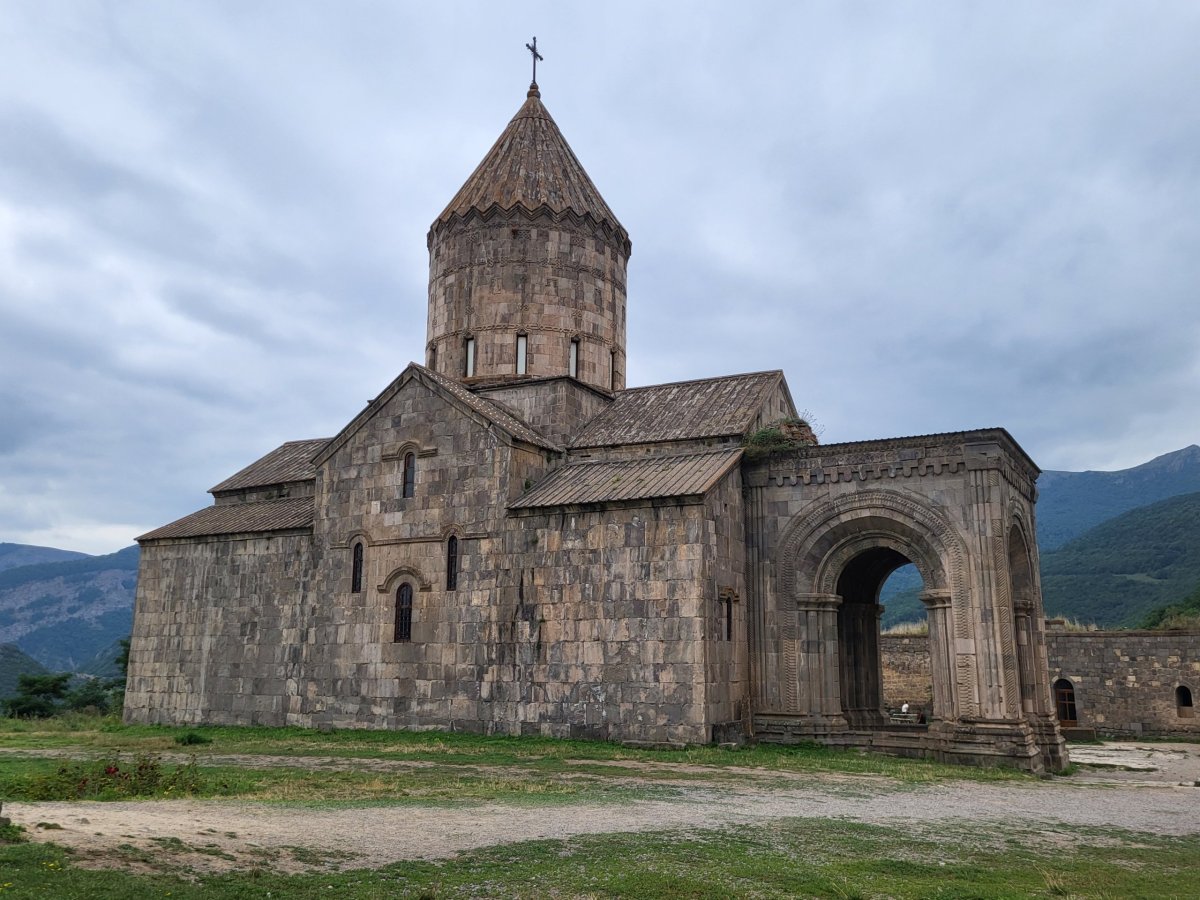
509,540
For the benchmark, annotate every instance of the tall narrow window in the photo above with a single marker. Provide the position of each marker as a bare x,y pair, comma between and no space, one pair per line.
469,352
410,473
433,357
612,370
356,568
452,564
725,600
404,613
522,353
573,359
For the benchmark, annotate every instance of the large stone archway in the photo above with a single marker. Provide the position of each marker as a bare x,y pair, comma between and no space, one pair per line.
826,525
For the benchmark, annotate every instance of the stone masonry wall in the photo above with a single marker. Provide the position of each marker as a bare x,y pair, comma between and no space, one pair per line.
906,674
550,280
557,407
217,629
1125,681
585,622
727,670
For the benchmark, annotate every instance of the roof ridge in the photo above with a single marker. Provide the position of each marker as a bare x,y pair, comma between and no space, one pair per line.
648,387
632,460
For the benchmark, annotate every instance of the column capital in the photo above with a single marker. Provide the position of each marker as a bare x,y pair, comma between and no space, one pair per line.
817,602
936,599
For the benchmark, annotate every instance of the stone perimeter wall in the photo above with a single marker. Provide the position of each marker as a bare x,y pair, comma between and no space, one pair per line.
906,677
1124,681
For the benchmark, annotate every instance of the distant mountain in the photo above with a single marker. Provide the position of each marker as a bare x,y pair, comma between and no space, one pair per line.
1069,503
14,555
14,664
1118,572
64,613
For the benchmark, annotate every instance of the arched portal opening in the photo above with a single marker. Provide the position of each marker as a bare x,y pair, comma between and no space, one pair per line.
883,681
1024,609
1064,702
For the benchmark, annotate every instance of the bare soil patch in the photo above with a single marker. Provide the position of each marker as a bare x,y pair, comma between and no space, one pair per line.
218,835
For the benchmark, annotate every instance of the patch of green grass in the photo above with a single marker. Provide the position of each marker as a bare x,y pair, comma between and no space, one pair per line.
446,749
49,779
806,858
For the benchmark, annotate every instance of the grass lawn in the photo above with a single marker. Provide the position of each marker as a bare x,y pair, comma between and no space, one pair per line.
364,769
790,858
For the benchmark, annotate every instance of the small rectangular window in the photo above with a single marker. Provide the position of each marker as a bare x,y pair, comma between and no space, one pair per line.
573,359
612,370
469,347
522,346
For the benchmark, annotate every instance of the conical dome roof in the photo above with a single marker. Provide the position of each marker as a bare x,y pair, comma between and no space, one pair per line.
532,166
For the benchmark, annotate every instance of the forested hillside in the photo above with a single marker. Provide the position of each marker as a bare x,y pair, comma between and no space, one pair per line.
1119,571
13,664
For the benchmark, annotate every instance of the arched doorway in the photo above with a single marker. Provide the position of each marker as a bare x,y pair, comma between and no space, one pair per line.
1064,703
858,621
834,562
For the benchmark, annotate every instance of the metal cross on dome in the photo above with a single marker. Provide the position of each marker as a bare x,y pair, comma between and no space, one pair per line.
537,57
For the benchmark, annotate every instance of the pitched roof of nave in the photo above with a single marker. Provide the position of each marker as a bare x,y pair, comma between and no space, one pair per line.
238,518
492,412
683,410
531,165
289,462
605,481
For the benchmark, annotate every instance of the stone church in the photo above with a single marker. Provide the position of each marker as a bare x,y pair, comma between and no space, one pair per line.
507,539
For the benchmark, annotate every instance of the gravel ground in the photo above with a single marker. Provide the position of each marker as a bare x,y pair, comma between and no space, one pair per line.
226,835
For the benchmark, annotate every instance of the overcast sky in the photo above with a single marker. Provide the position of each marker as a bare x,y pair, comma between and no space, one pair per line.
931,216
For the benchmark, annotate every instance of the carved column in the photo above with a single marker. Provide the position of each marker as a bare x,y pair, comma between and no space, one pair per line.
941,653
815,654
1026,655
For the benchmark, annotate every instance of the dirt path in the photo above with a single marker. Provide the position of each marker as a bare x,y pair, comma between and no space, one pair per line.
218,835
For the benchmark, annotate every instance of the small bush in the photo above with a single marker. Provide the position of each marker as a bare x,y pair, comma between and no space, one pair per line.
111,778
192,739
12,834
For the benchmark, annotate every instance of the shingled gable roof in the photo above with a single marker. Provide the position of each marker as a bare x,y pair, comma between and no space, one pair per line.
290,462
684,410
490,412
531,166
646,478
238,518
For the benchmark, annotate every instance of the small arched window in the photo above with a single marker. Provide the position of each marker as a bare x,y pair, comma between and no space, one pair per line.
356,568
573,358
433,357
1183,702
404,606
1064,701
452,563
469,357
410,474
